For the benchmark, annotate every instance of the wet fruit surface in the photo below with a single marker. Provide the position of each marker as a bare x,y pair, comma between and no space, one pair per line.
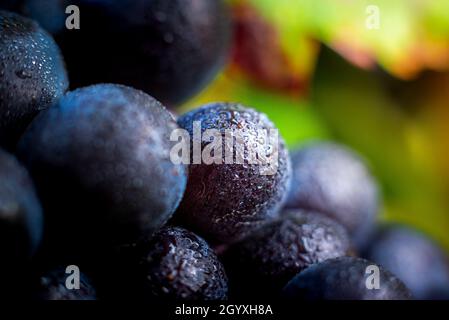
100,160
266,260
110,190
175,265
344,279
331,179
169,49
226,200
32,74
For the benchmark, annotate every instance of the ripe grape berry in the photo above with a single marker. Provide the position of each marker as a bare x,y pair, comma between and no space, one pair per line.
344,278
53,286
169,49
267,259
20,213
32,75
100,161
225,201
331,179
408,253
175,264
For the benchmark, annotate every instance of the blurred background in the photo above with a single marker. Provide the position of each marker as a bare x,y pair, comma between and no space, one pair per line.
373,75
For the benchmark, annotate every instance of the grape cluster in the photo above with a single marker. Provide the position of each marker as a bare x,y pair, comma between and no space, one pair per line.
89,176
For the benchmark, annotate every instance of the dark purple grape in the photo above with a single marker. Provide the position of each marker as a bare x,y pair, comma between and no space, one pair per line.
266,260
331,179
229,198
100,160
413,258
169,49
175,265
344,278
32,75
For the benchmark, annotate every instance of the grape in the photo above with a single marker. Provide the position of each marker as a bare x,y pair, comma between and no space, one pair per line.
267,259
226,201
100,160
333,180
169,49
344,278
32,75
